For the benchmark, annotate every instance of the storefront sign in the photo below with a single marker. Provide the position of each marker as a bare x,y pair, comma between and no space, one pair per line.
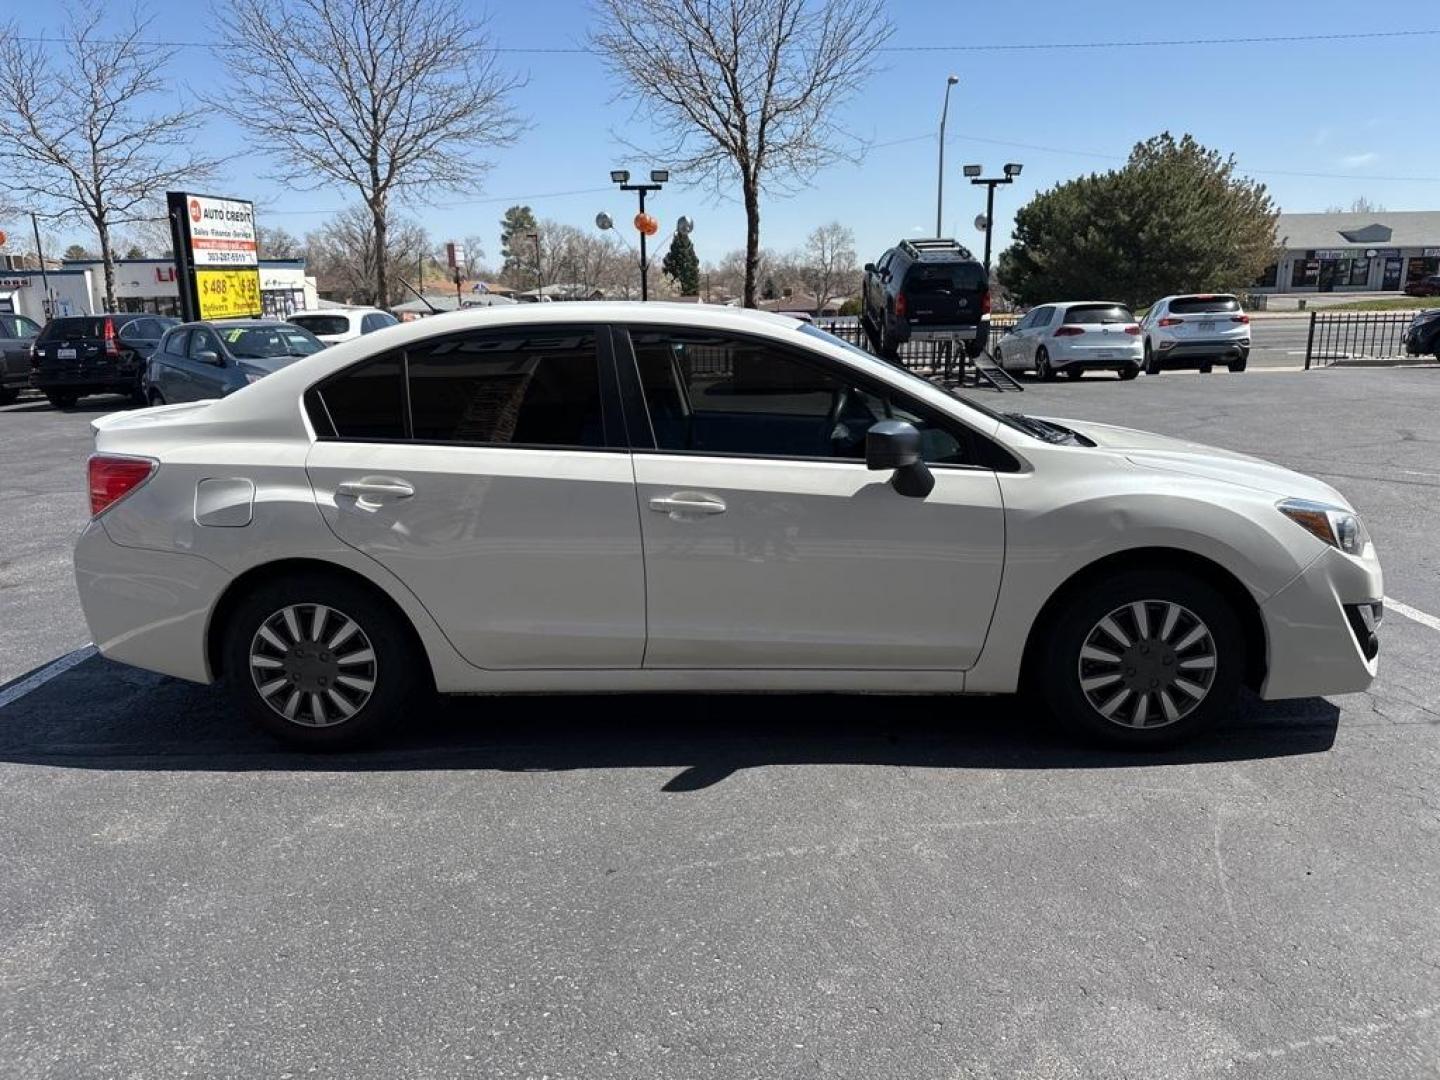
227,294
14,283
216,255
164,274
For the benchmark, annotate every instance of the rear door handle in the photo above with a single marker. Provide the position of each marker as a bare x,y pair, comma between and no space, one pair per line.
685,504
373,490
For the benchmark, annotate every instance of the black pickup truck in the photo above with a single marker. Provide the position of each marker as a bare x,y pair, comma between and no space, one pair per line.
927,290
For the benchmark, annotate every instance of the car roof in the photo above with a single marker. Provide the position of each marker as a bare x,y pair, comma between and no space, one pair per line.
235,323
1089,303
342,309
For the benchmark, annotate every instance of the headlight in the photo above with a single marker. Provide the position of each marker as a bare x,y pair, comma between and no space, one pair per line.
1338,527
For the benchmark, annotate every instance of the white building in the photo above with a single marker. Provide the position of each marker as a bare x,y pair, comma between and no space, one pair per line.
148,285
1377,251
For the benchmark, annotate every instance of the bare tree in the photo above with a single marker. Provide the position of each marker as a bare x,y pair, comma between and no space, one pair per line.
344,253
1359,205
79,138
744,90
387,98
276,242
474,257
827,262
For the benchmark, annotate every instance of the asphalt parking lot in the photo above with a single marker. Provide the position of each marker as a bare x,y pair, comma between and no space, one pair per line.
730,886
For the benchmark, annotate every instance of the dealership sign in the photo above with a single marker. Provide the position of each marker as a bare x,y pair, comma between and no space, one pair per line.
216,255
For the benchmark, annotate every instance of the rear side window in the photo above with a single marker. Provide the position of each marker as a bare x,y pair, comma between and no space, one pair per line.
376,320
945,276
69,329
1098,313
322,324
528,388
365,402
1203,305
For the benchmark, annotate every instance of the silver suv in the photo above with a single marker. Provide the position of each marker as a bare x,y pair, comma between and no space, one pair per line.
1196,330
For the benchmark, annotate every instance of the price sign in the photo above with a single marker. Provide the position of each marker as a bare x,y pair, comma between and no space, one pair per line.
228,294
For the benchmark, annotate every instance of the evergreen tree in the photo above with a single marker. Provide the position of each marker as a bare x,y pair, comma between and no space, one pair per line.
516,249
683,265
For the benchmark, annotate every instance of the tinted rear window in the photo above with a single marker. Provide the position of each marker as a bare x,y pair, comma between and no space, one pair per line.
367,402
1099,313
1201,305
951,277
71,328
322,324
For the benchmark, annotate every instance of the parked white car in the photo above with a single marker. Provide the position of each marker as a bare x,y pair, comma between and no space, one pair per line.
1197,330
334,325
650,497
1074,337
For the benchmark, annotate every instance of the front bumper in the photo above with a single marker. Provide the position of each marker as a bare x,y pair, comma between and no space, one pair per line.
147,608
1314,644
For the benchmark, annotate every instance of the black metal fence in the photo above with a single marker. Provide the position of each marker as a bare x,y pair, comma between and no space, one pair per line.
1355,335
933,359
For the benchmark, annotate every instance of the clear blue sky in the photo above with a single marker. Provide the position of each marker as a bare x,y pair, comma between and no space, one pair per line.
1364,110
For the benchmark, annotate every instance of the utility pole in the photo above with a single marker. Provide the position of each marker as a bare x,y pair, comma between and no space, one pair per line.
539,279
44,277
940,175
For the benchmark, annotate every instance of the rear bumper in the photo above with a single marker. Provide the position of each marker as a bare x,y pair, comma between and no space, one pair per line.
147,608
1313,646
1208,349
906,331
78,377
1132,358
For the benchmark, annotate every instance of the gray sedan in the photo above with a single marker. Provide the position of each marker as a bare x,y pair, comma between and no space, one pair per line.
201,360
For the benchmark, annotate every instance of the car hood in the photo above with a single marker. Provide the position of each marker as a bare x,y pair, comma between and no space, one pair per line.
269,364
1161,452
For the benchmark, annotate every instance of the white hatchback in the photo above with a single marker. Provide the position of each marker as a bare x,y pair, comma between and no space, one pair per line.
1074,337
334,325
650,497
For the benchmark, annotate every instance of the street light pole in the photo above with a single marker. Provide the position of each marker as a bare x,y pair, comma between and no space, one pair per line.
1012,170
539,280
940,175
658,179
44,277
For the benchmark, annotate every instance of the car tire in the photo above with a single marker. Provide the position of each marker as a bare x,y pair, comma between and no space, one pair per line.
1080,660
1042,365
61,400
1128,373
335,689
1238,365
8,395
973,349
1074,371
155,398
1205,369
888,349
1152,365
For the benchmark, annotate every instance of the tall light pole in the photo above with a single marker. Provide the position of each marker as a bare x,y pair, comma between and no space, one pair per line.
658,177
1012,170
940,176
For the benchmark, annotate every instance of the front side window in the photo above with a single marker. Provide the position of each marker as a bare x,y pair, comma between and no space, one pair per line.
202,341
174,342
22,327
713,393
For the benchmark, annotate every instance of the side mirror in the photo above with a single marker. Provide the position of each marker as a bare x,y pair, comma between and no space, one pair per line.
895,445
869,268
208,356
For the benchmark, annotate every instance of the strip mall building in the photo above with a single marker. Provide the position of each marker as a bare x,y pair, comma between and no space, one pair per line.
1380,251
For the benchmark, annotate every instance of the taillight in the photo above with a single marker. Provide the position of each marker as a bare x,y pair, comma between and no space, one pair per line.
1133,330
112,347
113,477
900,305
1241,318
1068,331
1170,320
985,302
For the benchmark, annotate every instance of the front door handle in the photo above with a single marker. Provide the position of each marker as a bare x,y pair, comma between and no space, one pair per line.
685,504
374,490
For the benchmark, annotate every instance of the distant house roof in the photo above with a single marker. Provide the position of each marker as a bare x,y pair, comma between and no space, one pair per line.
1381,228
446,302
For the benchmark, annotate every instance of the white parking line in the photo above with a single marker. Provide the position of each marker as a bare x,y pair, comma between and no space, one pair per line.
1411,613
14,693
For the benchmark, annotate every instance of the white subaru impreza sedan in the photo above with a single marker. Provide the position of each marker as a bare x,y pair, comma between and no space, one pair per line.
645,497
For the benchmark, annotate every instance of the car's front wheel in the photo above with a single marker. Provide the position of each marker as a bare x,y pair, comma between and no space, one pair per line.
319,662
1146,658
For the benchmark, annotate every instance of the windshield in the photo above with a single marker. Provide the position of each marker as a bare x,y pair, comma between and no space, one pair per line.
323,324
259,342
814,331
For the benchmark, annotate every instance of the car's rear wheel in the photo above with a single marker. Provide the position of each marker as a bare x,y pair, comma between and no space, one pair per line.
1042,365
319,662
1074,371
156,398
8,395
1146,658
1152,366
1130,372
1205,369
60,399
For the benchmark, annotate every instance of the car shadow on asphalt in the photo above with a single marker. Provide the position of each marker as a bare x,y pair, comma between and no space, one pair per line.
101,715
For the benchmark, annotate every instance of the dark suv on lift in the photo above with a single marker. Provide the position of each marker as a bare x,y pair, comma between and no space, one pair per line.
927,290
77,355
